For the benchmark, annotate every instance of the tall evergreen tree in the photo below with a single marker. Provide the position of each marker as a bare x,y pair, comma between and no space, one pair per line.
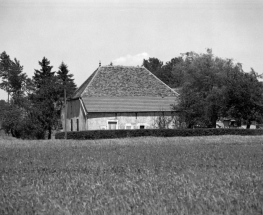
67,87
42,76
45,96
65,80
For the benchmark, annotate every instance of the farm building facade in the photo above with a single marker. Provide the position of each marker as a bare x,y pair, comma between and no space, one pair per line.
119,97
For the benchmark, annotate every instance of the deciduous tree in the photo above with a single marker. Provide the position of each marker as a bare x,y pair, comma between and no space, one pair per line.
214,88
14,80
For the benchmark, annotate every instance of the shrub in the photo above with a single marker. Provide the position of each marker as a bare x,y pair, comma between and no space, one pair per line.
110,134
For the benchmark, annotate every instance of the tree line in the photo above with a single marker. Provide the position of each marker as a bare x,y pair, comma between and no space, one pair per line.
34,104
211,88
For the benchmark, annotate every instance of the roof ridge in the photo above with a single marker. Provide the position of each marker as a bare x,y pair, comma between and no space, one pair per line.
161,81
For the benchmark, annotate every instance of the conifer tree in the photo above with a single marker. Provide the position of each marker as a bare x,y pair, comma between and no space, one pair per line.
45,96
67,87
65,80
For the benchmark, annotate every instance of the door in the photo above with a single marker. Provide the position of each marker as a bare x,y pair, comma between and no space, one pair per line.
112,125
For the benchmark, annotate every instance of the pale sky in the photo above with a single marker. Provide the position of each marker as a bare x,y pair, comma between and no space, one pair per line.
82,33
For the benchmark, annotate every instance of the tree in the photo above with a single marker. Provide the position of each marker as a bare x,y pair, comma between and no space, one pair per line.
3,107
14,114
18,83
45,96
154,65
202,93
44,75
65,81
5,64
14,80
169,73
20,122
214,88
67,87
162,121
34,106
244,95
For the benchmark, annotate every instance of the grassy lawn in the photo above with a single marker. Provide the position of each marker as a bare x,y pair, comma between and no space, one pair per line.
180,175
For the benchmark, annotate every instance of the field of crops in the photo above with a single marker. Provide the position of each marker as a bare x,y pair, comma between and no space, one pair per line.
180,175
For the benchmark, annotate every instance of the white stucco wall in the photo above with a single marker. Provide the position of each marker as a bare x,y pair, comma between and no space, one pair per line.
98,121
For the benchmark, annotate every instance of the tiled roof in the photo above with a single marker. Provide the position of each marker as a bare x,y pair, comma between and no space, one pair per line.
128,104
125,89
119,81
80,90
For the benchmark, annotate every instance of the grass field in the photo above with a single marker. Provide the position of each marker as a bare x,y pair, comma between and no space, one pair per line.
180,175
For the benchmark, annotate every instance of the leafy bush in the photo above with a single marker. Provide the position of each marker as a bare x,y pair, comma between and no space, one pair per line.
20,123
109,134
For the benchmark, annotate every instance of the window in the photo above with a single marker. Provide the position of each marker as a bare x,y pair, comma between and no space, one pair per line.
113,125
128,126
77,124
142,126
71,124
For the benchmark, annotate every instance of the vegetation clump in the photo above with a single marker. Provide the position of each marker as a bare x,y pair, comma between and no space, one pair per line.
33,108
111,134
211,88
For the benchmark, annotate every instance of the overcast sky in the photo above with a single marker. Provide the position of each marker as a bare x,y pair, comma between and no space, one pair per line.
82,33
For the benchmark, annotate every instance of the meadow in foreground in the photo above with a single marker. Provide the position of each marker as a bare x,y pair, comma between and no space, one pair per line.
195,175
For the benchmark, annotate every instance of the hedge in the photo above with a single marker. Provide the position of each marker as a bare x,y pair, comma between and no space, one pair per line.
110,134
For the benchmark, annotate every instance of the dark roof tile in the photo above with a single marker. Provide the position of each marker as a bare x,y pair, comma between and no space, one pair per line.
80,90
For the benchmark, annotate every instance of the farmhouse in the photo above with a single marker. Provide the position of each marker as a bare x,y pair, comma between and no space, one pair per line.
119,97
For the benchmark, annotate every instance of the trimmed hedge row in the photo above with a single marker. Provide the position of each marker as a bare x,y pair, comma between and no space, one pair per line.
110,134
